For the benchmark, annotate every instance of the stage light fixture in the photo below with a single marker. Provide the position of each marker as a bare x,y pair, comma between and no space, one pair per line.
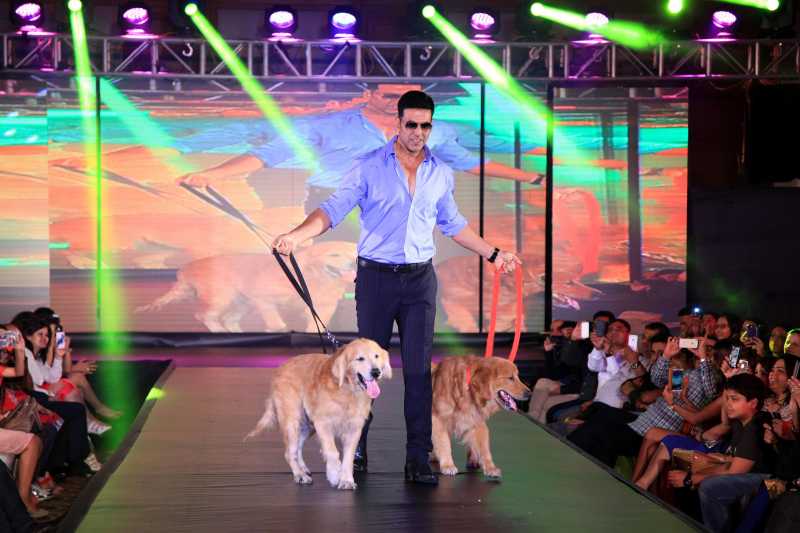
134,20
485,24
281,23
344,23
75,5
723,20
27,16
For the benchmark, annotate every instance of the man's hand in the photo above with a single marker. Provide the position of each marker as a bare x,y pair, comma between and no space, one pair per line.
506,261
676,478
601,343
197,179
672,348
84,367
285,244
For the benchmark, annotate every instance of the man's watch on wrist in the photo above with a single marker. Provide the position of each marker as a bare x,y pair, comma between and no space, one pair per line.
492,257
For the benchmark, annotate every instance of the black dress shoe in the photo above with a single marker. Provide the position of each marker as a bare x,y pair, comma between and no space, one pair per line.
360,460
420,472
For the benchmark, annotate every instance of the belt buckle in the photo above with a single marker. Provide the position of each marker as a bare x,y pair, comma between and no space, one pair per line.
395,268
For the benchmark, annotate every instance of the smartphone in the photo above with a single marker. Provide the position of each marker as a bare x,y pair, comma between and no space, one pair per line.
600,328
60,340
796,372
692,344
7,338
677,379
733,358
743,365
584,330
633,342
751,330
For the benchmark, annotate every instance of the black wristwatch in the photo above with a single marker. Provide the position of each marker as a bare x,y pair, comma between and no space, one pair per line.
492,257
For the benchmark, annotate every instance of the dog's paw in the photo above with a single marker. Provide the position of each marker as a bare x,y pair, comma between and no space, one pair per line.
333,476
493,473
448,470
346,484
303,479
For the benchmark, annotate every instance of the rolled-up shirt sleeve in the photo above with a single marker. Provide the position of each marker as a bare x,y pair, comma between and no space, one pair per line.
448,218
349,194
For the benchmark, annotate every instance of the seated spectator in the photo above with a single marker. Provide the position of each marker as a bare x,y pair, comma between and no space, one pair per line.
708,324
614,362
74,387
45,366
689,324
570,387
652,330
728,327
743,467
777,338
25,445
617,432
792,344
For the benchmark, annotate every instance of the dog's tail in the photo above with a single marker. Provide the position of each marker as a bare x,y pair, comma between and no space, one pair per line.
181,290
267,420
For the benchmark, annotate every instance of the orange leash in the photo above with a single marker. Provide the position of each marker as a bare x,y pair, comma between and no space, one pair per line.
493,319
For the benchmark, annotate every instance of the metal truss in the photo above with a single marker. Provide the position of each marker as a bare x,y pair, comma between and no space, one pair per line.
178,59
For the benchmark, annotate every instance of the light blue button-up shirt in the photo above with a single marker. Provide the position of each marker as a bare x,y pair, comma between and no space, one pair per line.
397,228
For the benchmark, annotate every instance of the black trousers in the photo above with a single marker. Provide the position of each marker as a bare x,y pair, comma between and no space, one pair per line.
607,435
407,297
72,444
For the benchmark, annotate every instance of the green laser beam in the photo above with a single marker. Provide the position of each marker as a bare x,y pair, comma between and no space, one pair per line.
262,99
627,33
768,5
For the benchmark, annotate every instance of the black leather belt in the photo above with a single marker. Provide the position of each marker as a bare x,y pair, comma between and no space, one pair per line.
386,267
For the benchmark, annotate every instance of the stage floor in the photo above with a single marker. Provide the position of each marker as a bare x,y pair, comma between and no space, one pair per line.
190,472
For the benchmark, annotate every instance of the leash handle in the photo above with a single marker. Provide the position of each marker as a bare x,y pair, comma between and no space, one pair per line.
493,320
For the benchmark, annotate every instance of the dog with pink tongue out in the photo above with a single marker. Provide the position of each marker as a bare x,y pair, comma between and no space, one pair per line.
330,396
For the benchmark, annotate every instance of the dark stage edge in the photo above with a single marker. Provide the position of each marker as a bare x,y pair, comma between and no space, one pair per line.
189,471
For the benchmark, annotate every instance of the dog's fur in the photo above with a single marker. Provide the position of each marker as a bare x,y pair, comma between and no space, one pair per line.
256,280
324,394
461,408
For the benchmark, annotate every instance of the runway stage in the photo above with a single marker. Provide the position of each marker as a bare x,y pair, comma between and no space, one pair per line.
189,471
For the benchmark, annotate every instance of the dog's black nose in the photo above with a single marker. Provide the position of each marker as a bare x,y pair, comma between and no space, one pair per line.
375,373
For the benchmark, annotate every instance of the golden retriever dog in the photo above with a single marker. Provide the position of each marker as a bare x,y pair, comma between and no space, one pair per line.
227,286
329,395
466,392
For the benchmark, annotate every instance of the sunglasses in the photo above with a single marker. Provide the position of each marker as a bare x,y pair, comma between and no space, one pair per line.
411,125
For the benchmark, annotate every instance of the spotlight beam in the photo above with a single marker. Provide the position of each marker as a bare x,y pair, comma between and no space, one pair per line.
262,99
630,34
767,5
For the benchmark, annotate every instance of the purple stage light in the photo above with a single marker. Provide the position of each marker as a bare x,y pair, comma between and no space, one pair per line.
723,20
344,23
29,12
281,23
482,22
27,16
137,16
281,20
134,20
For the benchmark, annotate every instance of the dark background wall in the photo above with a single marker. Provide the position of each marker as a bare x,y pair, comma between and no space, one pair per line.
744,232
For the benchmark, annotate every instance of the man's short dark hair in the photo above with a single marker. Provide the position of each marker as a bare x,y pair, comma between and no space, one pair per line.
748,386
659,337
414,100
659,327
604,314
625,323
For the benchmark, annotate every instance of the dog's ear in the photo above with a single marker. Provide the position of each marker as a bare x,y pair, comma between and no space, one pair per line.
387,367
480,384
340,363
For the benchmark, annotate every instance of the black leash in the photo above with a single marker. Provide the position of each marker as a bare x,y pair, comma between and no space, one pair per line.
299,283
297,280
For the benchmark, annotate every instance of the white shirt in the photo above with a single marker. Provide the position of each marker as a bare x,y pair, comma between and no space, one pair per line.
41,373
612,372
